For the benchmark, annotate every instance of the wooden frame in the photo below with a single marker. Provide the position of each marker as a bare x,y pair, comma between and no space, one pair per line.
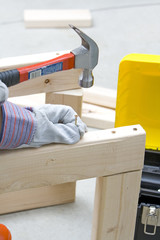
67,80
48,174
114,156
58,163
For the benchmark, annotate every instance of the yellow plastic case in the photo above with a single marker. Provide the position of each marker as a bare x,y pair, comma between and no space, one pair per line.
138,95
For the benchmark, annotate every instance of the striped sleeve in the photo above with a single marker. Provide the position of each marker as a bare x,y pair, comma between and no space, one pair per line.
3,92
19,126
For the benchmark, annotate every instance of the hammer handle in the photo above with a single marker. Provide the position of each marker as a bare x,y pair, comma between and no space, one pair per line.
15,76
10,77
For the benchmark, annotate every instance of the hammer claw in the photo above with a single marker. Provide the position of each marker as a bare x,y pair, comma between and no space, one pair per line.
86,57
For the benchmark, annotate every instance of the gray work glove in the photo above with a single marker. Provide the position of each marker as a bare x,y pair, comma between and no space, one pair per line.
3,92
57,124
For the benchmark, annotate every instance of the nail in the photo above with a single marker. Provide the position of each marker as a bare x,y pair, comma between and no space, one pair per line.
76,119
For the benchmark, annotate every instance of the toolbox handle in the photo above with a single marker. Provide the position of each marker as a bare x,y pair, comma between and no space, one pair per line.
154,218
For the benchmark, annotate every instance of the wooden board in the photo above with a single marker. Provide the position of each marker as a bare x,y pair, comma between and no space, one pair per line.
50,18
37,197
98,117
21,61
51,83
100,96
58,81
29,100
97,154
71,98
115,210
94,116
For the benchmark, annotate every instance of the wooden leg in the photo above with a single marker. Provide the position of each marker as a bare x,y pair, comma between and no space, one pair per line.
115,209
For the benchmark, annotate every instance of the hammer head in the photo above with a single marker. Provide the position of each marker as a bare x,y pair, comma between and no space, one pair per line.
86,57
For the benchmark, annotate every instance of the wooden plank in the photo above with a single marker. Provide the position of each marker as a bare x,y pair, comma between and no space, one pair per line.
71,98
99,153
58,81
100,96
116,200
53,82
93,115
50,18
98,117
29,100
21,61
37,197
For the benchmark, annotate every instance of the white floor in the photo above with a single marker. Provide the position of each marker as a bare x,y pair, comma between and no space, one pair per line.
64,222
119,28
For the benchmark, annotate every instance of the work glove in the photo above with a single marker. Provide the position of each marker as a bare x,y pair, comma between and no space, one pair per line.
57,124
3,92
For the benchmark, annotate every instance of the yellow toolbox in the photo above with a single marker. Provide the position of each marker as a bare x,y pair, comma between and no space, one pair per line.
138,102
138,95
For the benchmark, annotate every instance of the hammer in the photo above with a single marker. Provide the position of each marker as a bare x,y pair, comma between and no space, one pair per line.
85,57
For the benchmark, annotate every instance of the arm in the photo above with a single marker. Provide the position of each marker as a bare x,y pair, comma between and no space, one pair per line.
3,92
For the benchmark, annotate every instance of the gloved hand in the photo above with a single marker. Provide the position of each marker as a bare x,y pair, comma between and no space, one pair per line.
57,124
3,92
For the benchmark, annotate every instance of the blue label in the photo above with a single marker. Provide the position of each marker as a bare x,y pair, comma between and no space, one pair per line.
45,70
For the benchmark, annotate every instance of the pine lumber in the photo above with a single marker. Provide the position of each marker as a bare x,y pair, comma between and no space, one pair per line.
69,97
98,117
94,116
36,197
72,98
32,100
97,154
104,97
58,81
57,18
115,207
21,61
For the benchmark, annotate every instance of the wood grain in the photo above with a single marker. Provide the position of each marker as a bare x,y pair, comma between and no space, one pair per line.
97,116
99,153
36,197
100,96
115,209
71,98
